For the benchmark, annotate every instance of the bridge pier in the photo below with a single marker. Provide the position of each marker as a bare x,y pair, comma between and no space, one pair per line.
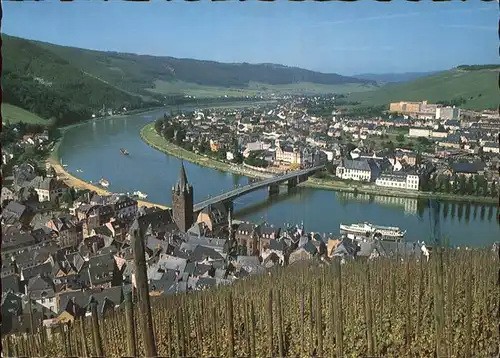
302,178
292,179
273,189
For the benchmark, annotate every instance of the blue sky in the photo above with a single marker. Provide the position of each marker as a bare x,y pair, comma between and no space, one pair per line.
346,38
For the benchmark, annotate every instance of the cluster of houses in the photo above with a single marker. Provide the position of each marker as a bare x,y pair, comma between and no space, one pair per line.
57,260
37,141
285,136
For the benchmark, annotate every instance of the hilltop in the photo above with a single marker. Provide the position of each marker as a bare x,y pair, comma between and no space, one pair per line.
41,82
147,75
474,87
67,84
393,77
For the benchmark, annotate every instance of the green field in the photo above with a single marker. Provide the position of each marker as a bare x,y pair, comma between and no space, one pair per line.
13,114
479,88
254,89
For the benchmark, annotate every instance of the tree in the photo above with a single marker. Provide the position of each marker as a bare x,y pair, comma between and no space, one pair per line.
469,189
400,138
180,136
454,187
67,198
494,191
485,188
159,125
330,168
462,184
168,132
389,146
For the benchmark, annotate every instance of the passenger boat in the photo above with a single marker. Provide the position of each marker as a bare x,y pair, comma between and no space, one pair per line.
124,151
140,195
103,182
376,231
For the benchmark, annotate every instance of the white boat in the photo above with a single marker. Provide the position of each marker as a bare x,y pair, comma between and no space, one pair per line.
140,194
103,182
370,230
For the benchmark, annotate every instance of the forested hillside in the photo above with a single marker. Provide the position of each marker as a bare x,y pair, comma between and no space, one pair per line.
138,73
43,83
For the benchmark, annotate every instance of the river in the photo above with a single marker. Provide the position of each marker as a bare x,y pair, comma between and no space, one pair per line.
94,147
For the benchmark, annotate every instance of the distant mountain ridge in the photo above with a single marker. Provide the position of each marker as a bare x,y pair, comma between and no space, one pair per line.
394,77
139,73
468,86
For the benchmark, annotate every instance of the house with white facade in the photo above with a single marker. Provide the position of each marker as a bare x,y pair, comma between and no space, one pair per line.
365,170
491,147
399,180
255,146
419,132
49,188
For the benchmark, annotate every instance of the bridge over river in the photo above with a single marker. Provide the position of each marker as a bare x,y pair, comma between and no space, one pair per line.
292,178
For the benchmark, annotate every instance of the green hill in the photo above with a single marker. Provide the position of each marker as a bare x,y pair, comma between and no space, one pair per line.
47,85
12,114
474,87
147,75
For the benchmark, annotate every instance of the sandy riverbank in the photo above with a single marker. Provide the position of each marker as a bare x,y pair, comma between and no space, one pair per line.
72,181
151,138
77,183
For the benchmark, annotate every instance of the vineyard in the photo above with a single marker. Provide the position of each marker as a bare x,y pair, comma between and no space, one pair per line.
448,307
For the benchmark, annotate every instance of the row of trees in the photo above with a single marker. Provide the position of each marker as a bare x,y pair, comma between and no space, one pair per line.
473,185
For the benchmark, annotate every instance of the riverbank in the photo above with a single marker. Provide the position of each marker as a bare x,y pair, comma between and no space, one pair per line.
154,140
74,182
71,180
338,185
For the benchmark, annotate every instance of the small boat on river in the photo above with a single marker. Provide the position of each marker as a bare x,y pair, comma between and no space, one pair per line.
139,194
124,151
369,230
104,183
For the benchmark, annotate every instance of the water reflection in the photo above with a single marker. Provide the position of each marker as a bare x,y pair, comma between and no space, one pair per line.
418,207
94,147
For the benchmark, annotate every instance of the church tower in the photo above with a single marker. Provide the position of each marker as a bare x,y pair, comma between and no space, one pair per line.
182,202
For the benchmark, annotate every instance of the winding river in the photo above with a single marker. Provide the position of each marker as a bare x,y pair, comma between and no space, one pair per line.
93,148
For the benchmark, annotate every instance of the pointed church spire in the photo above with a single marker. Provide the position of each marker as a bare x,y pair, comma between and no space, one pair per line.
182,184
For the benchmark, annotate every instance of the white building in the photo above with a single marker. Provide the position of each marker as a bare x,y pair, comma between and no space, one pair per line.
49,188
329,154
255,146
288,154
491,147
359,170
419,132
399,180
447,113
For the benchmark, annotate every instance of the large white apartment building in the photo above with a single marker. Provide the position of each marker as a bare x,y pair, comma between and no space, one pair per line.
399,180
358,169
